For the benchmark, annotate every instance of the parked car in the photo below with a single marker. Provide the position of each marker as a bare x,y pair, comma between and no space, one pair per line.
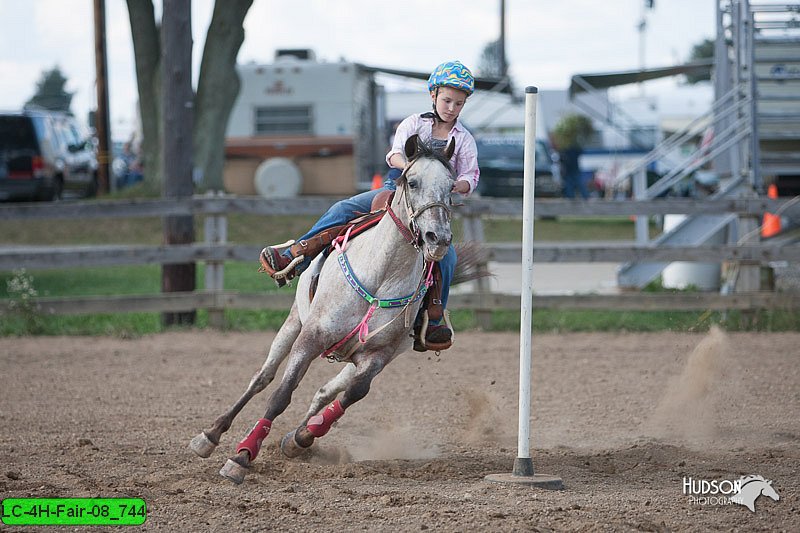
43,154
501,160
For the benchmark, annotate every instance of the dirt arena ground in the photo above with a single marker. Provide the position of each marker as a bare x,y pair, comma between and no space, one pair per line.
622,418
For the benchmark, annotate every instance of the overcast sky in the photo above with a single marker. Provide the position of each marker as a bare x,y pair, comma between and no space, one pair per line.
546,41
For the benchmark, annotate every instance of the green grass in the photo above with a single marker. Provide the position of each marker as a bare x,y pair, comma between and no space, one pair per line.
560,321
564,229
255,229
124,280
129,325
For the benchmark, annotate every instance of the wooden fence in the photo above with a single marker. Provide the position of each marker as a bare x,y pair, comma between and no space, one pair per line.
215,251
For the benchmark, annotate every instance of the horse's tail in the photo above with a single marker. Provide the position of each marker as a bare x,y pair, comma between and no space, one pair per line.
471,265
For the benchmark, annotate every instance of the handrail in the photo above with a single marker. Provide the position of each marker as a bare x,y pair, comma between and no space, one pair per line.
693,162
680,136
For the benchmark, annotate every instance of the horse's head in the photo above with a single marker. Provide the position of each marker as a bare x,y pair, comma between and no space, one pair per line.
769,491
751,487
426,184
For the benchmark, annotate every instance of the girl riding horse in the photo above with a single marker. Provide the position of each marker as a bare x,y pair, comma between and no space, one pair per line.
450,84
358,304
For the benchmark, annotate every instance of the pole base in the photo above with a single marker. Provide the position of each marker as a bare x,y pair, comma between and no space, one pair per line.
523,475
542,481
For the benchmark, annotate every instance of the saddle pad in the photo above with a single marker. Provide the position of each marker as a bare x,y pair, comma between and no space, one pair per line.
359,225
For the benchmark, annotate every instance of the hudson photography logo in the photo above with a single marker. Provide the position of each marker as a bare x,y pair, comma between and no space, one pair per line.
743,491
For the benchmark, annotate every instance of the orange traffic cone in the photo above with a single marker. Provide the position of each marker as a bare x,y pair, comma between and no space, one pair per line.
377,181
771,225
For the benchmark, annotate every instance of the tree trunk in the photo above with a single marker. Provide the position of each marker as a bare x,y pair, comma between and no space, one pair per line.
177,114
218,86
217,89
147,55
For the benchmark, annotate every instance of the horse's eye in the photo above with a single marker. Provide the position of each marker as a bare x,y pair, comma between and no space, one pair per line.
413,184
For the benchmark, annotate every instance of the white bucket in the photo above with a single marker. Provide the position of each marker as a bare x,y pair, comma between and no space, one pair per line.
682,274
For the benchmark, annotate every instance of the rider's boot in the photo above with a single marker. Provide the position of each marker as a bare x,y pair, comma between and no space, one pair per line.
283,261
439,337
279,262
429,331
436,337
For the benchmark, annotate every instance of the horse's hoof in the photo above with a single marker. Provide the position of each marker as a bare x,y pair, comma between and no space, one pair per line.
233,471
202,445
289,446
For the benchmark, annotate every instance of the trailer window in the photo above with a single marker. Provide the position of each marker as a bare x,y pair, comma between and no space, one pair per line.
295,120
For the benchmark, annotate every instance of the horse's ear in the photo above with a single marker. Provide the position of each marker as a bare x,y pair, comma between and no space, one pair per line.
451,149
412,147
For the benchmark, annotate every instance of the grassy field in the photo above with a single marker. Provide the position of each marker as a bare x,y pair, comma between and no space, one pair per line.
253,229
260,230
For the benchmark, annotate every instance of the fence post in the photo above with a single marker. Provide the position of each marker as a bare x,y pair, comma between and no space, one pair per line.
640,193
216,233
749,278
473,231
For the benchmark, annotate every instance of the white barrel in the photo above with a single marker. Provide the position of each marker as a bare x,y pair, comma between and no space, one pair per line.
682,274
278,177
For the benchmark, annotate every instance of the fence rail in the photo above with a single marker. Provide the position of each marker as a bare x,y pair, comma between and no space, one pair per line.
316,205
45,257
215,251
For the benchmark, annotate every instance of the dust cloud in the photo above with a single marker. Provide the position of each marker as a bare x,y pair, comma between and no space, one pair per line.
689,410
488,422
394,443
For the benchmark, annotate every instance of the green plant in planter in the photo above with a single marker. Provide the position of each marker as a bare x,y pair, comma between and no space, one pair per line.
572,130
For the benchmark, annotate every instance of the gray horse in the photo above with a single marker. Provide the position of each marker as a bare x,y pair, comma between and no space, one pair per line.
374,282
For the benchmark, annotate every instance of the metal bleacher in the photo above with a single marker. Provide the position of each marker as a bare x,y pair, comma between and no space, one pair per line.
756,118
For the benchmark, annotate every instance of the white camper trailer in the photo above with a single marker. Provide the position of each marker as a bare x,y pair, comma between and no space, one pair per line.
324,119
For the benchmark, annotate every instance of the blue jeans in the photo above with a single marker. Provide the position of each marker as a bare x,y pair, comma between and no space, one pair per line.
575,184
345,210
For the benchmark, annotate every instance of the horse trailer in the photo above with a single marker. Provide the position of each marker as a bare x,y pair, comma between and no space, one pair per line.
307,127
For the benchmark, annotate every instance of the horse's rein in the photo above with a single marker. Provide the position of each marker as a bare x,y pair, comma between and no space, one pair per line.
410,237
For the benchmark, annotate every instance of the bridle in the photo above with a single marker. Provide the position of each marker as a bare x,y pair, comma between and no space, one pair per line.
412,232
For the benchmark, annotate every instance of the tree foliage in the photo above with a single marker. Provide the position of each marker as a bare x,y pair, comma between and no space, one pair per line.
50,92
490,64
700,51
572,130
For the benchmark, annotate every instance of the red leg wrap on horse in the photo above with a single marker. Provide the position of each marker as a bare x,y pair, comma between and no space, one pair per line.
320,424
252,442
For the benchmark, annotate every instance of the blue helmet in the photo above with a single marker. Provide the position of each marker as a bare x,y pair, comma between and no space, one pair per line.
452,74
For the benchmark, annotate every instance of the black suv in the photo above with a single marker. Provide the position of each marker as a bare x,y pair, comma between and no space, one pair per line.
501,160
42,154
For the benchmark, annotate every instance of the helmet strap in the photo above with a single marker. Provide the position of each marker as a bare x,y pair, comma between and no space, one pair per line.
435,98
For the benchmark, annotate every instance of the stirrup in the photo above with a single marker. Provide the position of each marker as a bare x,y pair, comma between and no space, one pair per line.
420,342
285,274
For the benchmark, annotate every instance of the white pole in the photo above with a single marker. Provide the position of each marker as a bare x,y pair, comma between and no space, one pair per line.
523,464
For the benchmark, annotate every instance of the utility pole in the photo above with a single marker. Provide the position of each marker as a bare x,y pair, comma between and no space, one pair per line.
102,128
502,42
177,115
642,27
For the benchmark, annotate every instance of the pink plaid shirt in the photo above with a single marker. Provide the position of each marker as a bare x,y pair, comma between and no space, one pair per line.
465,158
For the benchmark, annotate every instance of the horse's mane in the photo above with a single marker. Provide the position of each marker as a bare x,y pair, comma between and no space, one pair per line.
747,479
426,150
